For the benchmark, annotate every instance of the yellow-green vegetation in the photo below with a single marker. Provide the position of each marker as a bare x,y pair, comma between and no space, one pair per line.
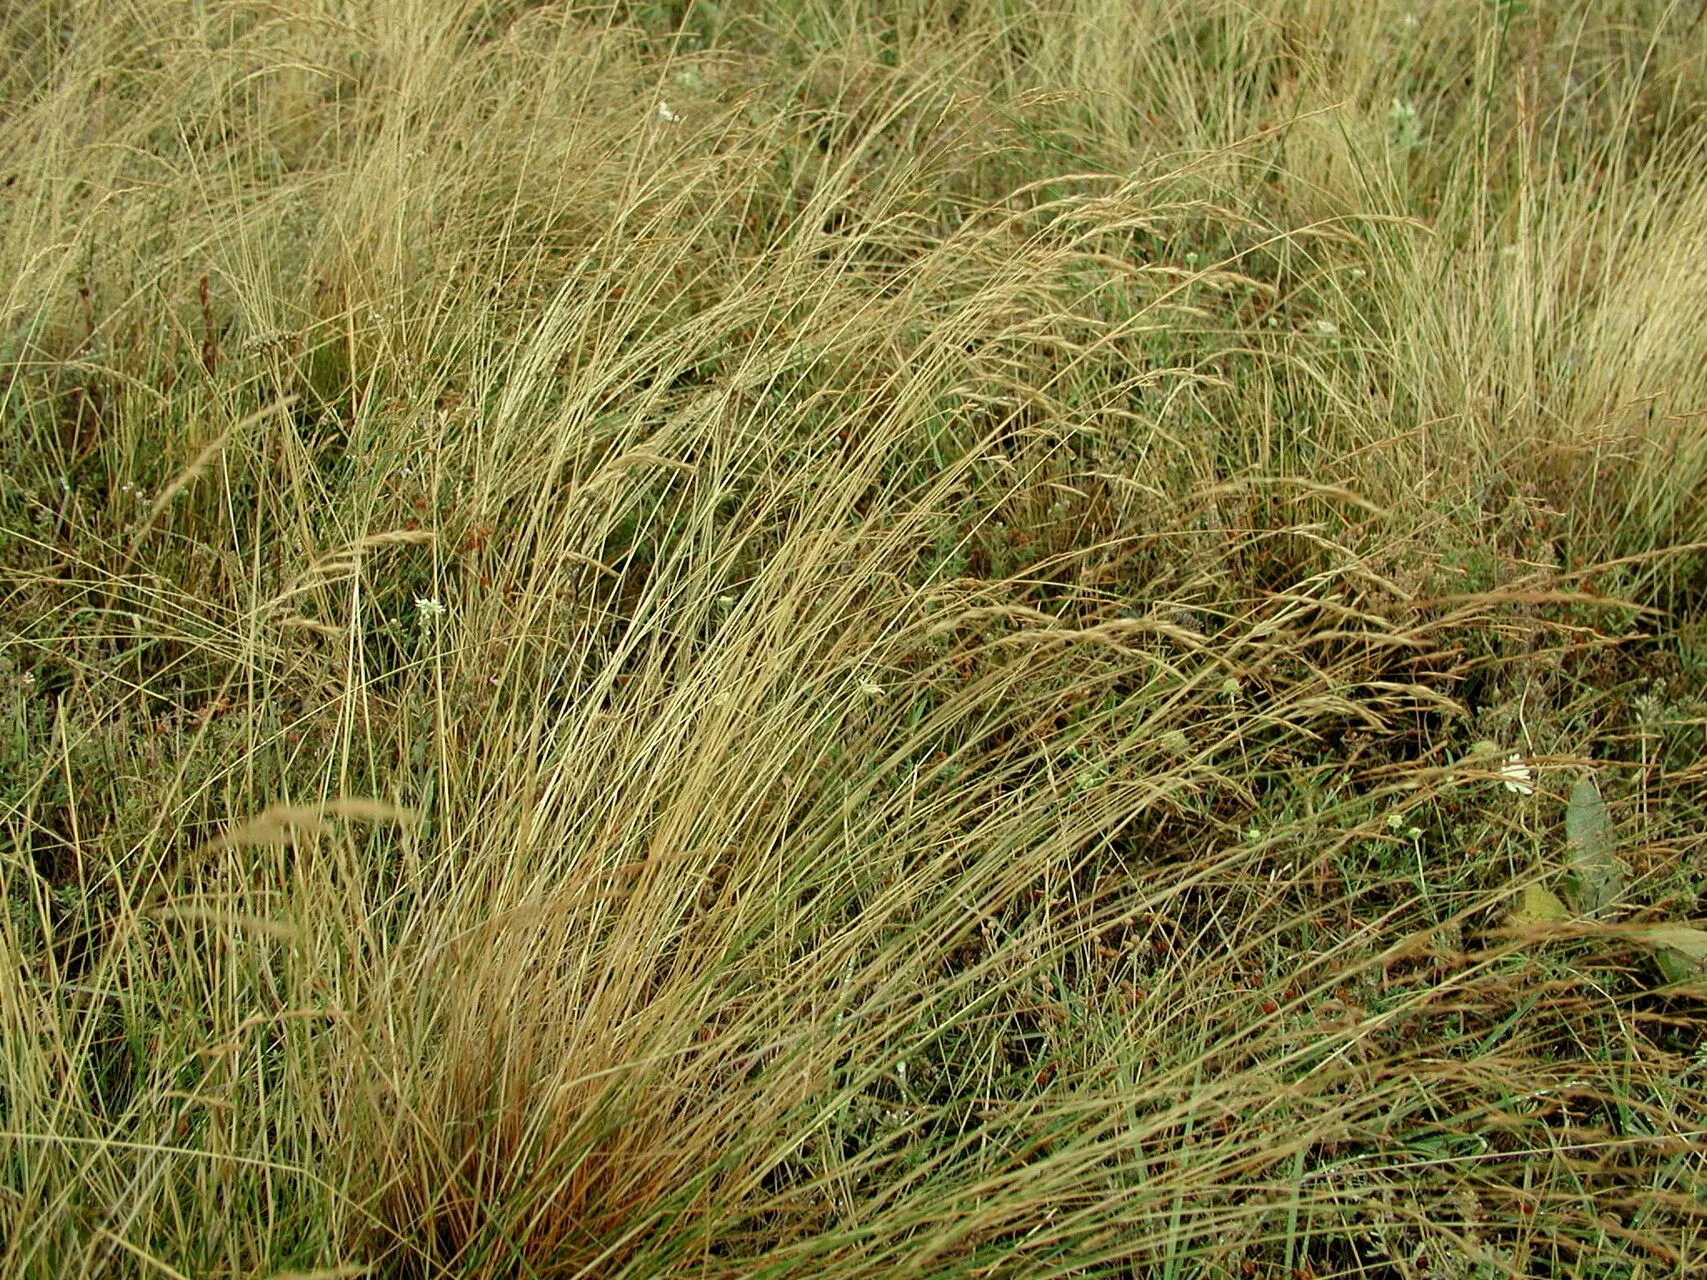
826,638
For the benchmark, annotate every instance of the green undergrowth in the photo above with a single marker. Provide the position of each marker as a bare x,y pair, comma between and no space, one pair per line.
774,638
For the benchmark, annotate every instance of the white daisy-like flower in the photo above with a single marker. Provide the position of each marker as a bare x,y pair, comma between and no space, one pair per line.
428,609
1516,775
666,115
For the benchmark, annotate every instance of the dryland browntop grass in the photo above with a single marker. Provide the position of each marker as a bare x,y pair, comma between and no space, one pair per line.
826,639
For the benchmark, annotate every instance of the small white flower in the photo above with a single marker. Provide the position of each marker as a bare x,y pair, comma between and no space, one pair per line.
1327,328
1517,776
870,688
666,115
428,609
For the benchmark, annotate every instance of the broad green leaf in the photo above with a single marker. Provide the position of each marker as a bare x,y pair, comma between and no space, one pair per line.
1680,952
1596,880
1539,906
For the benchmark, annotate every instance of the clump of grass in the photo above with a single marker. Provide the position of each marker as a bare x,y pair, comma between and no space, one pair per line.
761,641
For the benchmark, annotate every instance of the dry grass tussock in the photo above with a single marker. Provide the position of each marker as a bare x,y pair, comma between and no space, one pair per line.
798,639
